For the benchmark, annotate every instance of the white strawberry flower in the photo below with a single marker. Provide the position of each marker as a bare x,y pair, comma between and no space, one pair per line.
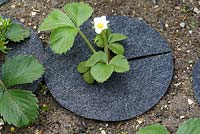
100,24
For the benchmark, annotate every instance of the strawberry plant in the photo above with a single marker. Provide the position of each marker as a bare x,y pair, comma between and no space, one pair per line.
191,126
64,27
18,106
10,31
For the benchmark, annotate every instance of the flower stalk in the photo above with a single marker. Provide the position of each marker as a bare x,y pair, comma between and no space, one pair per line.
107,51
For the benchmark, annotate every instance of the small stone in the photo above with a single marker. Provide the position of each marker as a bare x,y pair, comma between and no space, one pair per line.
156,6
22,20
190,102
13,6
34,27
41,37
182,24
33,13
37,131
177,8
133,12
199,3
140,120
166,25
182,117
188,51
103,132
190,31
177,84
196,10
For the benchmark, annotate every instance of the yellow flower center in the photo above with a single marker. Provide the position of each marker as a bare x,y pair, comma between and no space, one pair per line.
100,25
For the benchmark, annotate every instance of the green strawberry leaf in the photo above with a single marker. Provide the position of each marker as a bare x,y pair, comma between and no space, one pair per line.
101,72
17,33
96,57
82,68
88,77
62,39
116,48
153,129
21,70
191,126
18,107
55,20
78,12
99,41
120,64
116,37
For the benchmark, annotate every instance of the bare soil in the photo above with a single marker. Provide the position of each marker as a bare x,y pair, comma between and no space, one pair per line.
166,18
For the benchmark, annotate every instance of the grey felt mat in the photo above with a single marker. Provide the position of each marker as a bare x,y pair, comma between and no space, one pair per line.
125,95
196,80
3,2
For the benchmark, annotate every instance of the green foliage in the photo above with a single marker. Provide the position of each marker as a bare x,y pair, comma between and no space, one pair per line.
101,63
4,24
21,70
116,48
78,12
65,26
96,57
191,126
120,64
62,39
101,71
3,47
116,37
82,68
88,77
12,32
153,129
55,20
17,33
19,107
99,41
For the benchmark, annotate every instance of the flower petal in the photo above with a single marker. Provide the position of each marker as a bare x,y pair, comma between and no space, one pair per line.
98,31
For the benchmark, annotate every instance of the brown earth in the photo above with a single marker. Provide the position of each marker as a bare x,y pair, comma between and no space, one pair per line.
165,17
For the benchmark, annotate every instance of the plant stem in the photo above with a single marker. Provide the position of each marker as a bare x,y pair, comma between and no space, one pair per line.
87,41
1,84
106,47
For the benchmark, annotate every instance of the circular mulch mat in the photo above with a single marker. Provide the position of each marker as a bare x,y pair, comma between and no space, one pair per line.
31,46
196,80
125,95
3,1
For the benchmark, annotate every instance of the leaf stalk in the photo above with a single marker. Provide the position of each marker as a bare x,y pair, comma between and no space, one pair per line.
2,84
87,41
